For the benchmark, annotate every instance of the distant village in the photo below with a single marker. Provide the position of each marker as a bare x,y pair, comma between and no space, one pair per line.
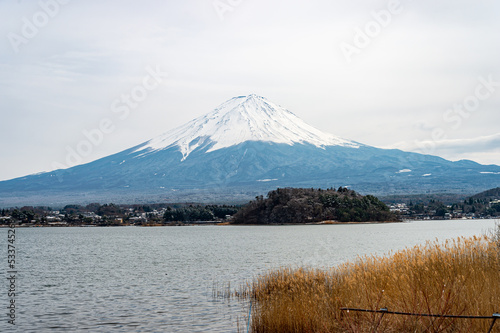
116,215
435,210
188,214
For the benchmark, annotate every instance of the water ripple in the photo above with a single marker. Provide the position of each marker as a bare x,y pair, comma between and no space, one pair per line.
161,279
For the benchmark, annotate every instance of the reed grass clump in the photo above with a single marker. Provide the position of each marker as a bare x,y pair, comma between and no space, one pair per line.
460,277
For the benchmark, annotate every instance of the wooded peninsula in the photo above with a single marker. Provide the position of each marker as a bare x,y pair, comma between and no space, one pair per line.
302,205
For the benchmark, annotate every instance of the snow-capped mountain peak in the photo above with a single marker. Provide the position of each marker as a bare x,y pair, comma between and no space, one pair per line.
240,119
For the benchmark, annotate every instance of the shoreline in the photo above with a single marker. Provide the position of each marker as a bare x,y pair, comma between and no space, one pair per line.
220,224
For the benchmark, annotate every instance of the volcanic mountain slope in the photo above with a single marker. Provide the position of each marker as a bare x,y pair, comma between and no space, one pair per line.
246,147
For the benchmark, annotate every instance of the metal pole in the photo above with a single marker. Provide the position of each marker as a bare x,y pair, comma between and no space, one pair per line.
383,311
495,317
249,314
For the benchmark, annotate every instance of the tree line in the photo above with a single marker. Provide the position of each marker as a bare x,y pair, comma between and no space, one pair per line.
193,213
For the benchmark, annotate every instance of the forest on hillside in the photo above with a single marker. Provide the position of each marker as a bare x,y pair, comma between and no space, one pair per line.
303,205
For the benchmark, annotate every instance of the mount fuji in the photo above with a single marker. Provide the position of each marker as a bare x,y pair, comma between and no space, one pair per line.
245,147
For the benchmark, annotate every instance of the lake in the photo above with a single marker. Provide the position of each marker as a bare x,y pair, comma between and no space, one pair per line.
161,279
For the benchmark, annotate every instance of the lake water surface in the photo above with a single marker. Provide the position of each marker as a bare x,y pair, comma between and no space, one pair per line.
161,279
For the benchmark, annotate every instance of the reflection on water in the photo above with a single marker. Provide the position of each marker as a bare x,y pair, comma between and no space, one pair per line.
133,279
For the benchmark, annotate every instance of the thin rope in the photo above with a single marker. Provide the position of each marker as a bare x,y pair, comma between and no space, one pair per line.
495,315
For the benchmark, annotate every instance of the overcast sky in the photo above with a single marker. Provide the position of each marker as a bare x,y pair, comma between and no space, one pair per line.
413,75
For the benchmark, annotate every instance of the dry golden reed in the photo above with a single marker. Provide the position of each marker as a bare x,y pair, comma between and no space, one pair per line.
460,277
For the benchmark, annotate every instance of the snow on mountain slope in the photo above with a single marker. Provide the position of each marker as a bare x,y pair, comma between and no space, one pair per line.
240,119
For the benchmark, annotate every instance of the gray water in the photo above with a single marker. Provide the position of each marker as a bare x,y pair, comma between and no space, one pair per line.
136,279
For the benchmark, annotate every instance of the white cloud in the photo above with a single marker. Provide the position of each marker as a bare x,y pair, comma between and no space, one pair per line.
485,149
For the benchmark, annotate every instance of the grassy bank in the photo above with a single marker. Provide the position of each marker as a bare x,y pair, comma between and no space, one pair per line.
458,277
